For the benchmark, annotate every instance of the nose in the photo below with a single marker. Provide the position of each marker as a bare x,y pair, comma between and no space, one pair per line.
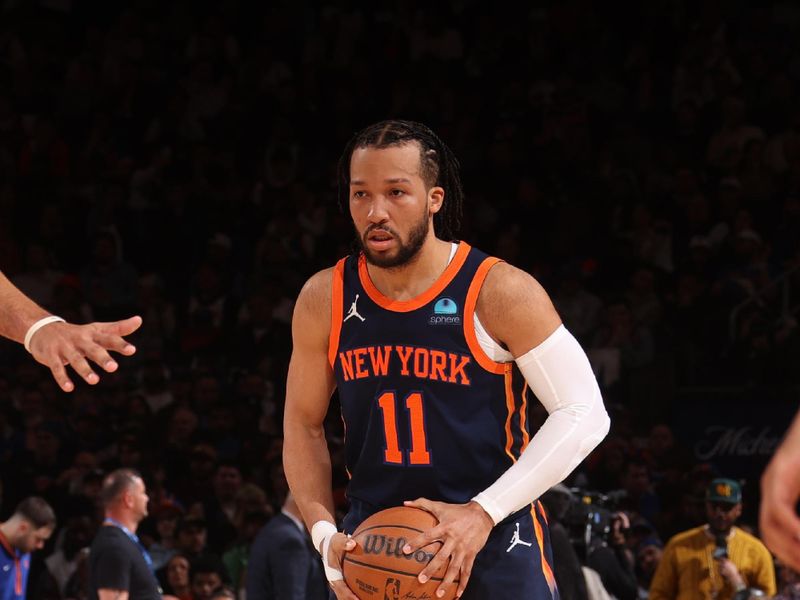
377,210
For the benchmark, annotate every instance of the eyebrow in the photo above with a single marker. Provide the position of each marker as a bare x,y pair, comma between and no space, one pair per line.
390,180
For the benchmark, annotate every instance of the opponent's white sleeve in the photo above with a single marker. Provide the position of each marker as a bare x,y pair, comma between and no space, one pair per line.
558,372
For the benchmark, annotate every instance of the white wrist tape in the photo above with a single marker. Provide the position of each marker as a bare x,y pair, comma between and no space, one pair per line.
37,326
321,534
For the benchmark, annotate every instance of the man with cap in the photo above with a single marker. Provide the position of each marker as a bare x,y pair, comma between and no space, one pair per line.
717,560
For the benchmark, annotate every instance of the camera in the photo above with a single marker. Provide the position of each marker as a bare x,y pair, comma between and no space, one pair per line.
589,519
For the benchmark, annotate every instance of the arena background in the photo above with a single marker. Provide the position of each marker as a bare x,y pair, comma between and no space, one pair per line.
177,160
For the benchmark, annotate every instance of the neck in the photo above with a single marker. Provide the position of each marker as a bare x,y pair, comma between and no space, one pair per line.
413,278
123,518
7,529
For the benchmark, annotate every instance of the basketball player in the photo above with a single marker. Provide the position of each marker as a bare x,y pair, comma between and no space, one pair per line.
432,346
56,343
780,493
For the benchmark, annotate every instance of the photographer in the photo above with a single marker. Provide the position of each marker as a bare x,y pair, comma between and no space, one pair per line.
716,560
613,560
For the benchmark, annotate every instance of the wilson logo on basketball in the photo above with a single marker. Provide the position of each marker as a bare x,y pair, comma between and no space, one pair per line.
391,546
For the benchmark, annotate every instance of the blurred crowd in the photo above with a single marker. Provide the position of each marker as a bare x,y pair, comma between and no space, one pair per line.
177,160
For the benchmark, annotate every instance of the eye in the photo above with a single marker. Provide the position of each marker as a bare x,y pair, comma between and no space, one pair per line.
359,194
397,193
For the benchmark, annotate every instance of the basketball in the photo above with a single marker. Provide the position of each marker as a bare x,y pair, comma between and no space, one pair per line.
377,569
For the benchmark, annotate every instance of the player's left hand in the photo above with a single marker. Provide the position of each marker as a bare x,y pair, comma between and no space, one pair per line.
463,530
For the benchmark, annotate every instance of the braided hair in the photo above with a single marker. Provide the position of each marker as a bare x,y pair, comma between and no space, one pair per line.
438,167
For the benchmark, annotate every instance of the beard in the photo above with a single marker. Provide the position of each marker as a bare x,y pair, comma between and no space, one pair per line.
406,251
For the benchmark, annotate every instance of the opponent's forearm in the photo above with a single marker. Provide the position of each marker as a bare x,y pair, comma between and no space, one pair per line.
17,311
307,464
791,441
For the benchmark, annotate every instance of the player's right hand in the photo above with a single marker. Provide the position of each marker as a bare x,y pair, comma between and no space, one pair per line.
60,344
340,543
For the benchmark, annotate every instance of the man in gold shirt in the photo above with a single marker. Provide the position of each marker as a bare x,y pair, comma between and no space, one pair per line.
716,561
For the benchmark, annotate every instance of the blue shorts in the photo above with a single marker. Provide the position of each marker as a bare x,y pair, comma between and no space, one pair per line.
515,564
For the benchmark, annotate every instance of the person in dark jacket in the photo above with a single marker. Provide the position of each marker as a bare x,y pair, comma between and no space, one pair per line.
283,564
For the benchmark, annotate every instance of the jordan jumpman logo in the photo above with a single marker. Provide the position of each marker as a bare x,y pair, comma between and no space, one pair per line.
353,312
515,540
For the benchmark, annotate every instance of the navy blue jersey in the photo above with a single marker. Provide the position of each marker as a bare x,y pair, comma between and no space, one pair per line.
427,413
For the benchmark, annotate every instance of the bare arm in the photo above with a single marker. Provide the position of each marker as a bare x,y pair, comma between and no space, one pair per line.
106,594
17,311
309,385
780,492
58,344
515,309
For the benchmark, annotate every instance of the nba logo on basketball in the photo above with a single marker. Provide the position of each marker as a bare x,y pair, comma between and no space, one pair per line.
392,590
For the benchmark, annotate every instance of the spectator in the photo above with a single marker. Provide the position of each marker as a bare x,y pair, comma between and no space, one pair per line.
788,583
648,555
27,530
191,536
166,516
207,573
119,565
64,562
283,563
718,559
177,577
220,508
613,560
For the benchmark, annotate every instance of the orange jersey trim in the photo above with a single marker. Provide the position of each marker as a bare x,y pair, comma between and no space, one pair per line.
511,407
523,416
337,310
408,305
18,571
546,569
469,319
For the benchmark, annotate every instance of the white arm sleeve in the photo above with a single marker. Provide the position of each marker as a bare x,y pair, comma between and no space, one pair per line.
558,372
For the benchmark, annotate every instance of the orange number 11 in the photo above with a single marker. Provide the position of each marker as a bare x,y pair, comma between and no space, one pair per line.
419,454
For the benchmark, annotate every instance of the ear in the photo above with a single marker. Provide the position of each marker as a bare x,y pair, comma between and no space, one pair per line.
435,199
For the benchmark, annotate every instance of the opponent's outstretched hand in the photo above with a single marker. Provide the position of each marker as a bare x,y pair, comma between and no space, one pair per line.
340,543
463,530
59,344
779,524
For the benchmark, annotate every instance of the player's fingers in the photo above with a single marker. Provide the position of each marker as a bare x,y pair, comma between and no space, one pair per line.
423,539
463,577
99,355
422,503
60,375
342,591
450,576
82,368
124,327
114,343
439,559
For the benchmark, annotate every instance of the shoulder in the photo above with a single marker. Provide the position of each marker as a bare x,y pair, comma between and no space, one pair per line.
316,291
750,540
515,308
508,284
688,537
